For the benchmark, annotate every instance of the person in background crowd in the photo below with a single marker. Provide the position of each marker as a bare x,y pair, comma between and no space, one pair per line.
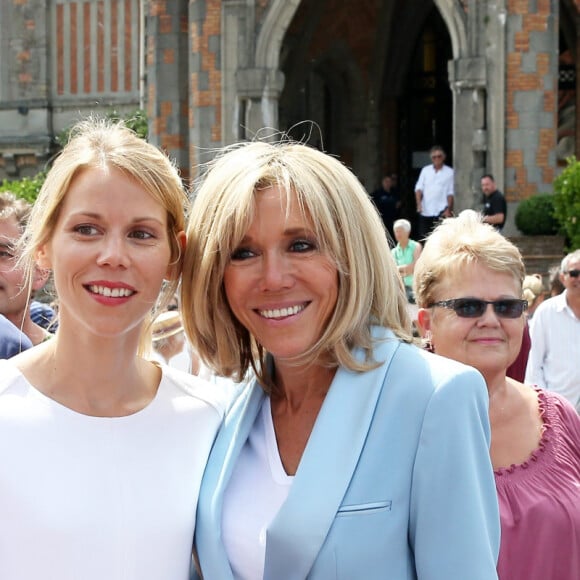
12,341
340,453
555,334
406,253
468,285
102,451
434,192
44,315
15,289
169,344
494,205
555,281
534,292
386,199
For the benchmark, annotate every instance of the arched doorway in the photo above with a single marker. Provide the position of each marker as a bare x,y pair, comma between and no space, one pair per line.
371,76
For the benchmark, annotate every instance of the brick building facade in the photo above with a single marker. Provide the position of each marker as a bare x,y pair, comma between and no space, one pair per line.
494,81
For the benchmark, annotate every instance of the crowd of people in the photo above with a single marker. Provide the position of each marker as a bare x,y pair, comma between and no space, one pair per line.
236,389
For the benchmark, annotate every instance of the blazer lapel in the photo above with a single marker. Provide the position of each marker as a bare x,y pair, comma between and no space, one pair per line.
227,447
329,461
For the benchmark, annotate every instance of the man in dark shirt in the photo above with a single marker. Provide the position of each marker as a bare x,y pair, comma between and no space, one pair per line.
386,198
494,205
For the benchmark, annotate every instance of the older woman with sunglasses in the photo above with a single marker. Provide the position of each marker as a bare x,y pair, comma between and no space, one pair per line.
468,286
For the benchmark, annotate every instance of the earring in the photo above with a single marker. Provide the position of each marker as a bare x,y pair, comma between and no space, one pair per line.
428,341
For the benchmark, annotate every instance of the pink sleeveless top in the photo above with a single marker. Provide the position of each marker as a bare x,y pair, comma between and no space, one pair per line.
539,501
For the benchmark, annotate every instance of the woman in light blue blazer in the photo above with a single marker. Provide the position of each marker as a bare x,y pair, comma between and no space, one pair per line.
352,453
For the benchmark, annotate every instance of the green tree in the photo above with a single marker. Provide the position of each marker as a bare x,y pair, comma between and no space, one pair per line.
29,187
567,201
26,188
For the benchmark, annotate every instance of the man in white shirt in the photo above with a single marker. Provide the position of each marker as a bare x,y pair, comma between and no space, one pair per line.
434,193
555,353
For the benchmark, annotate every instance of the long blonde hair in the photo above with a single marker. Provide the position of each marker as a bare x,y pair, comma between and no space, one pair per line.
102,143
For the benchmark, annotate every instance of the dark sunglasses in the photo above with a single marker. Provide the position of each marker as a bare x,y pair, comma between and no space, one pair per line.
474,307
573,273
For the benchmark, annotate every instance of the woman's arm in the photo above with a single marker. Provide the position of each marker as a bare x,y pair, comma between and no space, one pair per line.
454,519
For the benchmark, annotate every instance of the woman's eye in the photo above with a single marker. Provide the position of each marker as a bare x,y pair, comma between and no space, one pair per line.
242,254
302,246
141,235
85,230
6,255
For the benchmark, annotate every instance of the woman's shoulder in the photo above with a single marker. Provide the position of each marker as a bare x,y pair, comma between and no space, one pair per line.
424,376
9,374
219,395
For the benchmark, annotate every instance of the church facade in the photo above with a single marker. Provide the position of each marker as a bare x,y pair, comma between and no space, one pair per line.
375,82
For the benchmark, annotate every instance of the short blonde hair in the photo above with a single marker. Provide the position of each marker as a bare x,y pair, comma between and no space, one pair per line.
457,242
348,229
97,143
532,288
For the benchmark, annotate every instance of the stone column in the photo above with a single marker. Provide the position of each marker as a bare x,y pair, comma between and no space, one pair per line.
258,91
167,89
467,77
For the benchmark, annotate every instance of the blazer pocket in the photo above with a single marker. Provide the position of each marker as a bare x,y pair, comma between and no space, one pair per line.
364,508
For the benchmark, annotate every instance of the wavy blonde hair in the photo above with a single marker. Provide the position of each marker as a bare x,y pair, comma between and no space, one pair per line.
349,231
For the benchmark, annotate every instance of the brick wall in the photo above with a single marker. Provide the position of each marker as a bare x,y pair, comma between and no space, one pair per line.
531,104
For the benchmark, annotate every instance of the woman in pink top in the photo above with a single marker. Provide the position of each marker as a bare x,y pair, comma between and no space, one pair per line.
468,286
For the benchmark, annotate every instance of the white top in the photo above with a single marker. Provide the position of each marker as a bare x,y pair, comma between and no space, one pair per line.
554,358
93,498
258,488
436,186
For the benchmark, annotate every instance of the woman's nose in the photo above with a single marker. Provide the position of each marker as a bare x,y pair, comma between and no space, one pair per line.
113,251
276,273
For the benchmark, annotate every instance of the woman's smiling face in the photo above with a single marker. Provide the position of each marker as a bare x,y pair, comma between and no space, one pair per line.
489,343
109,252
279,284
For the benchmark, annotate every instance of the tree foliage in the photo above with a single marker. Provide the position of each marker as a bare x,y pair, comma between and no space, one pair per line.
29,187
567,201
535,216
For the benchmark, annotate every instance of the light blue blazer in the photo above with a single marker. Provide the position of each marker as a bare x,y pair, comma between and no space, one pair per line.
395,482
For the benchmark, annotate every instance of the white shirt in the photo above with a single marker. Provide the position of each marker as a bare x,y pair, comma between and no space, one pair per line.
436,186
554,359
258,488
93,498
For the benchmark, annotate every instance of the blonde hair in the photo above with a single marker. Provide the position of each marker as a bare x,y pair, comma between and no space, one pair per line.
349,231
532,289
98,143
457,242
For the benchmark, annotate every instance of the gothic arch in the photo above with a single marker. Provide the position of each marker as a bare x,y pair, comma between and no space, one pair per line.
454,17
271,35
281,12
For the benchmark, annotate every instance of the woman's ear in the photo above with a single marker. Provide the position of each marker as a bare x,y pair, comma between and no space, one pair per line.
174,269
424,321
43,258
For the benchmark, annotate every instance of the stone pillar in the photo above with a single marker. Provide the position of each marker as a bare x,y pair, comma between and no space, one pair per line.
258,91
467,77
167,89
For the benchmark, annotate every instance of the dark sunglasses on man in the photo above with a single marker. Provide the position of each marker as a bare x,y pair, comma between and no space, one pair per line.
573,273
